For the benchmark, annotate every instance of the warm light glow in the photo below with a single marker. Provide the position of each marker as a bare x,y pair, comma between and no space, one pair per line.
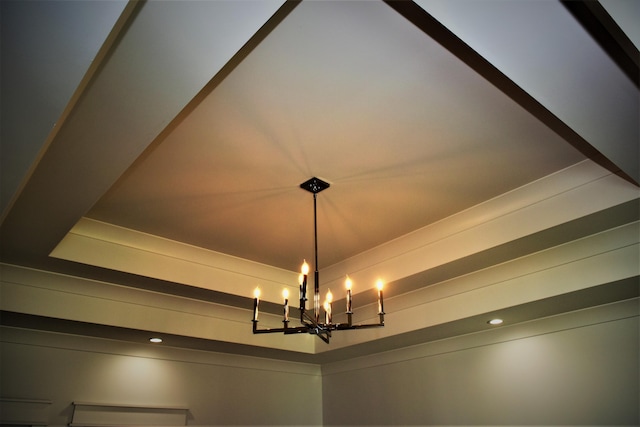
329,297
326,306
300,279
348,283
305,268
155,340
495,321
380,285
256,293
285,293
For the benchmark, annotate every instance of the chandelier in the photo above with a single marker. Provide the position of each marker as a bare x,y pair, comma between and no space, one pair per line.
312,324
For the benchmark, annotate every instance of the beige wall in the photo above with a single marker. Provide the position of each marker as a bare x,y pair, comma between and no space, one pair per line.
579,368
217,389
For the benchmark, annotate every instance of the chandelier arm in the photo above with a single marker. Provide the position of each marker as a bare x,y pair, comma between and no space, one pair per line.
287,330
313,323
296,330
266,330
345,326
314,328
320,329
325,338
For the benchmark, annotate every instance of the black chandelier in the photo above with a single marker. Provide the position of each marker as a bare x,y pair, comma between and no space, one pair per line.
312,324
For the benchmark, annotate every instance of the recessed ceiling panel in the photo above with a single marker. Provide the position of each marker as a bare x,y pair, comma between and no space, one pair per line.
351,92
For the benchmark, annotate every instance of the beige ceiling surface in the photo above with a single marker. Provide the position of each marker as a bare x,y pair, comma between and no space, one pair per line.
405,132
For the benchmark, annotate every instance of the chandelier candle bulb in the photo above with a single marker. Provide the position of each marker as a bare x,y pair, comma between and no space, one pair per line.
305,273
327,312
380,300
348,286
256,299
285,295
327,306
300,280
316,304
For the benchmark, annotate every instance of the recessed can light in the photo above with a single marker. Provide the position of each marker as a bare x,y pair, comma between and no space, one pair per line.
495,321
155,340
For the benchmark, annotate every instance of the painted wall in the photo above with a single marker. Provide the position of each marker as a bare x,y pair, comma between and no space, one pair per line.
580,368
218,389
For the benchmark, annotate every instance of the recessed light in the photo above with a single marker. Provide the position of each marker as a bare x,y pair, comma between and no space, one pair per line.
155,340
495,321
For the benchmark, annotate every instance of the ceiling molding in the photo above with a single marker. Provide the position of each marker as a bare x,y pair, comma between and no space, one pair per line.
553,200
589,262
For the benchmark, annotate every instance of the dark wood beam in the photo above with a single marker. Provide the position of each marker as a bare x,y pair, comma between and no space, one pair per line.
441,34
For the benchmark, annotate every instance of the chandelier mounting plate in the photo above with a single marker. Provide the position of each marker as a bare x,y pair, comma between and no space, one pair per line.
314,185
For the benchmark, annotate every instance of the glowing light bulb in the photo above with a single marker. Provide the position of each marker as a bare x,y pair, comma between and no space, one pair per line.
380,301
256,296
327,312
347,283
305,268
285,295
329,297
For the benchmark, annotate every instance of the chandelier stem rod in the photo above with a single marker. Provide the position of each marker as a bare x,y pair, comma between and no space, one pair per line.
316,274
315,229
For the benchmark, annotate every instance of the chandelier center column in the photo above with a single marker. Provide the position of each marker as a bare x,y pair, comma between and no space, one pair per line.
316,274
